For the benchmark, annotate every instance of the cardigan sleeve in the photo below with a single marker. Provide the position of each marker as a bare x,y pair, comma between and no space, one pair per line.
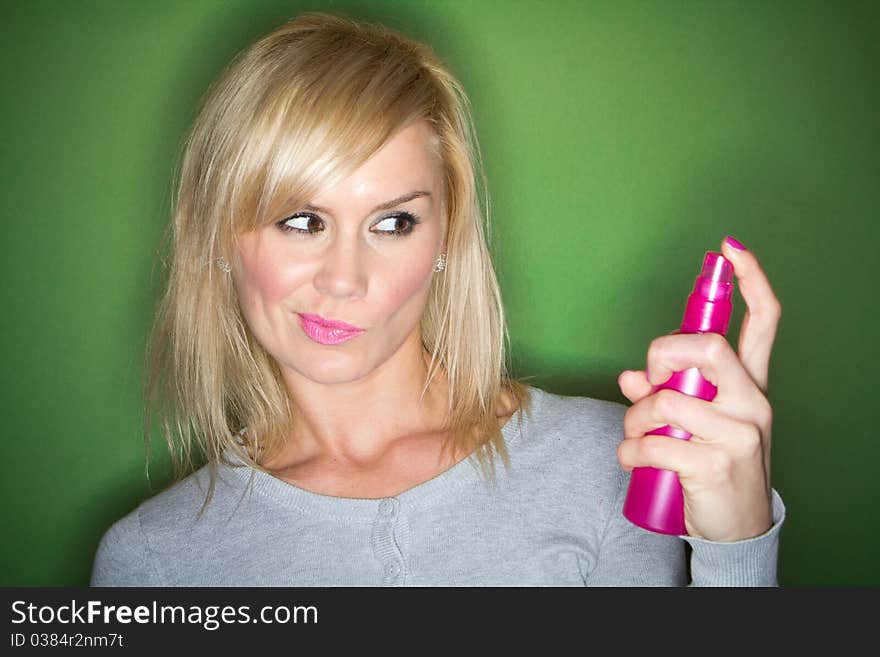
749,562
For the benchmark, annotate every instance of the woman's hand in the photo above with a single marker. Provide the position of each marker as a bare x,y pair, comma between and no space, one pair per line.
724,468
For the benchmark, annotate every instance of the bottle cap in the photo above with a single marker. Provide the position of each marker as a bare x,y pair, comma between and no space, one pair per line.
714,281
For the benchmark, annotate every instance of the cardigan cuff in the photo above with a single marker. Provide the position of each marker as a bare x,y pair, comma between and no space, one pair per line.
749,562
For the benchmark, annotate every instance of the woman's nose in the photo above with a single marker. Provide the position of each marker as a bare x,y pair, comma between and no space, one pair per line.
342,271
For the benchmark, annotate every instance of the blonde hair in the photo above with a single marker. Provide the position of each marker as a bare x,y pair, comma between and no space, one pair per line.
297,111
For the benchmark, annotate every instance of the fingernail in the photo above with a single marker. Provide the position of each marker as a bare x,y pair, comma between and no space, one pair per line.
735,243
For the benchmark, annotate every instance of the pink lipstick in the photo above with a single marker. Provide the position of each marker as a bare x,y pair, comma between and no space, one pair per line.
327,331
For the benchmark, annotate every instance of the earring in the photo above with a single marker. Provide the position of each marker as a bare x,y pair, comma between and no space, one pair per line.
223,265
441,262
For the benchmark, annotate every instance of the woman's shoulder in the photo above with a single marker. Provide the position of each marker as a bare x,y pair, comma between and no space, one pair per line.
576,415
163,523
582,430
566,457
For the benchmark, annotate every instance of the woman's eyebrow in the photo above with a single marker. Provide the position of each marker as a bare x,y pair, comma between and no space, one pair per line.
382,206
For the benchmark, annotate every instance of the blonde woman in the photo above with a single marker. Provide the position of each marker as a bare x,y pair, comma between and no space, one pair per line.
332,342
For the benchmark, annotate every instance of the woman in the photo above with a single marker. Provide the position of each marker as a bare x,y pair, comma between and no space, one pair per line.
332,340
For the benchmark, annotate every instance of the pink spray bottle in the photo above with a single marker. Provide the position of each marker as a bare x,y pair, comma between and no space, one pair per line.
654,500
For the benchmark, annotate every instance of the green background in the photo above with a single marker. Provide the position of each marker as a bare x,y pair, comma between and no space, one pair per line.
622,140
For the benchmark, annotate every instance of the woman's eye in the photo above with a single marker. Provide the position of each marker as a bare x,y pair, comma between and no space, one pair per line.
306,222
398,224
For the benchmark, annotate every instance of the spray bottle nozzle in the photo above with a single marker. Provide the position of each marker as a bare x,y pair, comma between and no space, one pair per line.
717,268
714,281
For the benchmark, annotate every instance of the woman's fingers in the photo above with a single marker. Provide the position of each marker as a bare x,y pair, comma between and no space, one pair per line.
634,385
663,452
712,354
703,419
763,310
698,465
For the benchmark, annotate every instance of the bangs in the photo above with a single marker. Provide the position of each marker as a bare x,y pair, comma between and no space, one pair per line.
318,119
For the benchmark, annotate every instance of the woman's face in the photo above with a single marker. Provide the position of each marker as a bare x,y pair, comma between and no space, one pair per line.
347,257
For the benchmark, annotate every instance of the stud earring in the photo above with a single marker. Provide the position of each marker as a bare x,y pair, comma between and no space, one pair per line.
441,262
223,265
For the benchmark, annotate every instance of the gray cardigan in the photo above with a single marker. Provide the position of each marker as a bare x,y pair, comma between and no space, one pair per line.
552,519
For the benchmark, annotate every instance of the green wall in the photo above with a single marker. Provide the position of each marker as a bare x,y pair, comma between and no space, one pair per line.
621,139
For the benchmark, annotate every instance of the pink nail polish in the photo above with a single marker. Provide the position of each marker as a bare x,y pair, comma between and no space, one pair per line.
735,243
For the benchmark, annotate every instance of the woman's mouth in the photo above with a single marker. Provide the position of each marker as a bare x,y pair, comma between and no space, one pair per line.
325,331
